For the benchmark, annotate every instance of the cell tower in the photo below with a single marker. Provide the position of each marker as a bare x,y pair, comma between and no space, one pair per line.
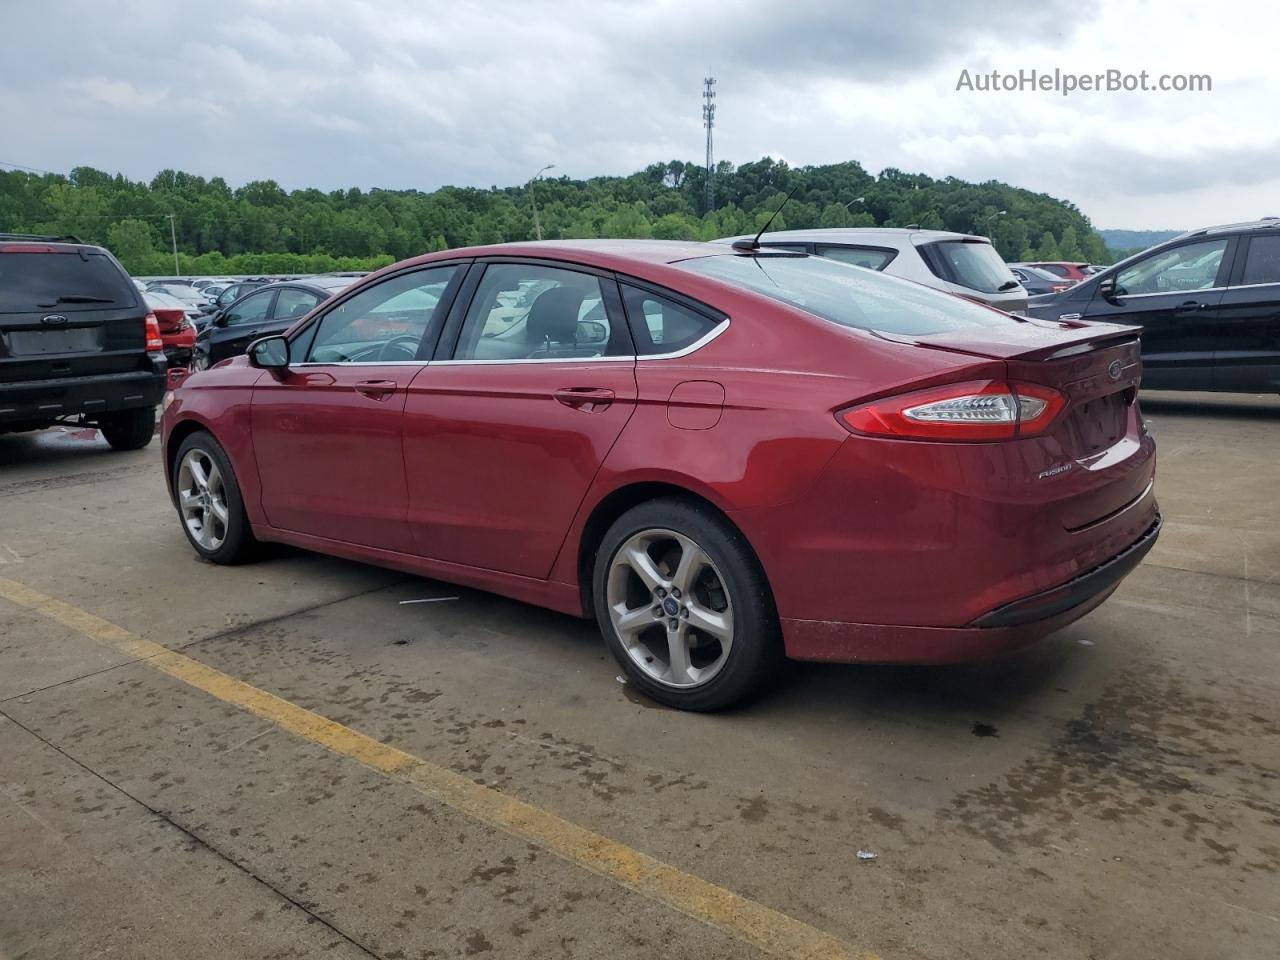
709,121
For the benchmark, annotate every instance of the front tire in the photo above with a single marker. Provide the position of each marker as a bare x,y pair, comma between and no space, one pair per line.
684,606
129,430
209,502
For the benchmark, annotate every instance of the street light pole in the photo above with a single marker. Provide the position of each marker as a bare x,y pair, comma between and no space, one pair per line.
173,237
992,219
533,199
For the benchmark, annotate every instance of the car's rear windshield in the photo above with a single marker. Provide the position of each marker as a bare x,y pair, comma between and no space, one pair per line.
847,295
976,265
64,282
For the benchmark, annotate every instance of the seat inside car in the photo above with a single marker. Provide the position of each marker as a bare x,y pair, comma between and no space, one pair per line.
552,326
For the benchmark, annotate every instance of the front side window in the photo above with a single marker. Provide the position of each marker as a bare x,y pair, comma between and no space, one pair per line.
849,296
1193,266
1263,263
533,312
385,322
970,263
661,325
250,310
869,257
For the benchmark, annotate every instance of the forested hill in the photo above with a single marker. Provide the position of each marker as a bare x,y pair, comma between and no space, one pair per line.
260,227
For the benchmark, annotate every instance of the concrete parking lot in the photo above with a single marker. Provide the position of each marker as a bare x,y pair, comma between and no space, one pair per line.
286,760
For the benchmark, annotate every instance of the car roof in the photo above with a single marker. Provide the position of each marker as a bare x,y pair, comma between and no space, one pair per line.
881,236
1262,223
606,254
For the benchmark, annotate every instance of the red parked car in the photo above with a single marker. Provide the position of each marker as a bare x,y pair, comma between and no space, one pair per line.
725,456
1075,272
177,330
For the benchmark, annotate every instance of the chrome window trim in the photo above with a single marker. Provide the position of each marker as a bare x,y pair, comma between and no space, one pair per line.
1169,293
1246,286
359,363
698,344
514,360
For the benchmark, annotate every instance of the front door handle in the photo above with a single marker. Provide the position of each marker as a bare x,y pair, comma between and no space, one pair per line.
1189,307
376,389
588,399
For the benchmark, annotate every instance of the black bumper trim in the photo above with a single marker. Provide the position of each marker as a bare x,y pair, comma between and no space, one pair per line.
1056,600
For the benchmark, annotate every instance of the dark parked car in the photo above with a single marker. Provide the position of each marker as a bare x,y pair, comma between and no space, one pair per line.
590,426
78,343
265,310
234,291
1037,281
1066,269
1208,303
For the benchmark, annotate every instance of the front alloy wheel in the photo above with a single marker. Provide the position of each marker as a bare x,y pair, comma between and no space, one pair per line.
202,498
669,607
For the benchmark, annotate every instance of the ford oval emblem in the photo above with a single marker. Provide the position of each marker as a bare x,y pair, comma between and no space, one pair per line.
1115,370
53,320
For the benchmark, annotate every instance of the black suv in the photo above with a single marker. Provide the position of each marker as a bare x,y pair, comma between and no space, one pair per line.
1208,303
76,342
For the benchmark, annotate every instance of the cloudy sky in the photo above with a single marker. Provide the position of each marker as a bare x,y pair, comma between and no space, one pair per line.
411,93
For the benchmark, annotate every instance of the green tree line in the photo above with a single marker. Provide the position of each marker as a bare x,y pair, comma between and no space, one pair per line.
262,228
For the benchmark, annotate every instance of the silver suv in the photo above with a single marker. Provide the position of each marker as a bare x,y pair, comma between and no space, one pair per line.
958,263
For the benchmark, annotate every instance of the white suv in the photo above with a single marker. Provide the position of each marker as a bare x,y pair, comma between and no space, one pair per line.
958,263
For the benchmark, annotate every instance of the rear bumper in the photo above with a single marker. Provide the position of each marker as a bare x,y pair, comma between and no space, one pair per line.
43,401
1005,628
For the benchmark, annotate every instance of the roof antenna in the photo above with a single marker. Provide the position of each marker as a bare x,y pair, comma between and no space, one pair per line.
754,242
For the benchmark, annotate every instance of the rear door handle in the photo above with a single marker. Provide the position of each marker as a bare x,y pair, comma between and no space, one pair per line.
376,389
588,399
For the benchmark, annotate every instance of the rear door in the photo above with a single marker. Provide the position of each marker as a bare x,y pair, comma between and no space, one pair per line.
1174,295
505,433
327,430
67,311
1247,344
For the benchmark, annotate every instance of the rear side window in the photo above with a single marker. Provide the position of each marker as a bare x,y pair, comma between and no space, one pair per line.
869,257
291,303
65,282
527,311
660,325
849,296
971,264
1263,263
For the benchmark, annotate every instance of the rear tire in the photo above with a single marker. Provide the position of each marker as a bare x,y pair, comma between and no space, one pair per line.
129,430
685,607
209,502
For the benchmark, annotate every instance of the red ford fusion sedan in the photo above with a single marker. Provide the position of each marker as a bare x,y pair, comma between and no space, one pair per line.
726,456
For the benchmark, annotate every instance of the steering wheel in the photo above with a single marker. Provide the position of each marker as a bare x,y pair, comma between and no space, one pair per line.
405,343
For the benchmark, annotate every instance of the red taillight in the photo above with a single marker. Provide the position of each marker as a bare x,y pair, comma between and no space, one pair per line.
154,343
974,411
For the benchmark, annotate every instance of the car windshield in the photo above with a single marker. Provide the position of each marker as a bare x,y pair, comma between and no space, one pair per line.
847,295
62,281
975,265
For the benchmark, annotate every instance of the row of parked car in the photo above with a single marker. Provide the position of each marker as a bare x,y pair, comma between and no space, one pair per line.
209,319
1208,301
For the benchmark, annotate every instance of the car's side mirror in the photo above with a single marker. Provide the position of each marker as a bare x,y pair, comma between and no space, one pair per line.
219,319
269,353
1107,290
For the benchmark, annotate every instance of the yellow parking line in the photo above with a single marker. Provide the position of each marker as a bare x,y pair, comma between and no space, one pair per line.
744,920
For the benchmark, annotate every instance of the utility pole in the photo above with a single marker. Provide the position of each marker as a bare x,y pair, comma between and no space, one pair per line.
533,199
709,121
173,237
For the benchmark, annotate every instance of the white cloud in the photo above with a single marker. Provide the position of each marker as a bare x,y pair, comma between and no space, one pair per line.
400,93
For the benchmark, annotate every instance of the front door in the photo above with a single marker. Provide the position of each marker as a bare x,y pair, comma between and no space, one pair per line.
1174,295
240,324
503,437
327,431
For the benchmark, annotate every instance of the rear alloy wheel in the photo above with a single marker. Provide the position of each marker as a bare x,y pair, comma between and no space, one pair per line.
684,606
209,503
129,430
